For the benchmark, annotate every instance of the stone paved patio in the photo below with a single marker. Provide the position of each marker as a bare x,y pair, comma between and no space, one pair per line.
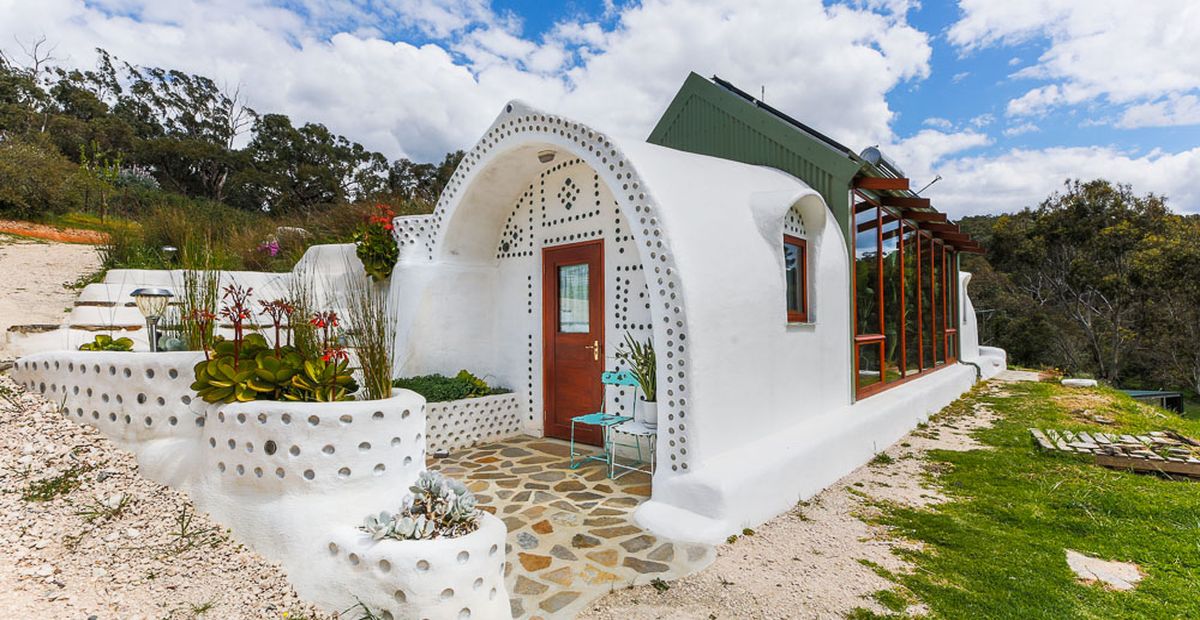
571,535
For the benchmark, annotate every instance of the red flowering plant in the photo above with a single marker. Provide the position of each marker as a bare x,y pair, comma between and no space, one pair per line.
376,245
330,377
247,368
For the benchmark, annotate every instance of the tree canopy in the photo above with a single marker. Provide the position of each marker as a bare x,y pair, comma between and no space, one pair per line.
182,131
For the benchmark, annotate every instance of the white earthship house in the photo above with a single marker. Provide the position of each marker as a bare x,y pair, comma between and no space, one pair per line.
553,240
805,305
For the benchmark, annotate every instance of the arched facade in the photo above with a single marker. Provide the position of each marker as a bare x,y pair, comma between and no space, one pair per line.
481,209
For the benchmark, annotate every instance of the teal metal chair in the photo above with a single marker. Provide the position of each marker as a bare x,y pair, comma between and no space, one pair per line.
604,420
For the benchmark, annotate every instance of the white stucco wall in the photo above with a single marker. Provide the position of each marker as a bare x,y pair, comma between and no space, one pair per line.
754,413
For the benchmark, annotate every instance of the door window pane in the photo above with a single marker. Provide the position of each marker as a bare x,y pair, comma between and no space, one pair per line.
573,299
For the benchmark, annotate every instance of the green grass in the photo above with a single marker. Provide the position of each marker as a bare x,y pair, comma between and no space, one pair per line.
996,549
49,488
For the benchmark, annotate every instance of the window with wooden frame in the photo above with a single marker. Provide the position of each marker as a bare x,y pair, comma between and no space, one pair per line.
905,298
795,263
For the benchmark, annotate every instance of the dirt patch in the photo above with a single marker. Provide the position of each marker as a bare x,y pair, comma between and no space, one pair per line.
53,233
86,536
820,559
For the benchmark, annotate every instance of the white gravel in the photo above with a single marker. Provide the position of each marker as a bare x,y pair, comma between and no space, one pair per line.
144,560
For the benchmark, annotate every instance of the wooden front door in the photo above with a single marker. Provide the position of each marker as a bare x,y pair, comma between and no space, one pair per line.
573,337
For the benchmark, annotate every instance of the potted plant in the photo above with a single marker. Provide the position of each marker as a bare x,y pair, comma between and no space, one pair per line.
640,358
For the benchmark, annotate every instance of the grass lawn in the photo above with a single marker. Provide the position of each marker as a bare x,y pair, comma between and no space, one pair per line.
996,549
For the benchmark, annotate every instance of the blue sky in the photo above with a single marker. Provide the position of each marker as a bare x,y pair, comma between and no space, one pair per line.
1004,100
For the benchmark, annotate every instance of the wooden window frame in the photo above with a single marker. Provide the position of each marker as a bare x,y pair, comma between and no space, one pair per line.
944,336
801,315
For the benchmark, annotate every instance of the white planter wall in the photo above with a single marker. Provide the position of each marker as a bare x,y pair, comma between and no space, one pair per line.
288,477
443,579
280,446
457,424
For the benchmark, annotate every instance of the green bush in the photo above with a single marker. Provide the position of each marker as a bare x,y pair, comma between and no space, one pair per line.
33,179
440,388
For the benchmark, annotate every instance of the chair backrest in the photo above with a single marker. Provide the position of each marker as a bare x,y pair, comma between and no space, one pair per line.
618,377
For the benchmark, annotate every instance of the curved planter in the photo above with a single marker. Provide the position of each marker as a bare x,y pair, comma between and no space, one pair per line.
316,447
131,397
449,578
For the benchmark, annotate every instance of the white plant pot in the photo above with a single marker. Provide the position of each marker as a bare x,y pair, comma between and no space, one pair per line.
447,578
319,448
647,413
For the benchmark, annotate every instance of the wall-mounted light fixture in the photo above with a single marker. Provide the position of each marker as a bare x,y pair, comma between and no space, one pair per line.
546,156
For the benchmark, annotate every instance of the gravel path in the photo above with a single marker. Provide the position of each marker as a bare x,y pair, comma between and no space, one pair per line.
811,562
34,274
86,536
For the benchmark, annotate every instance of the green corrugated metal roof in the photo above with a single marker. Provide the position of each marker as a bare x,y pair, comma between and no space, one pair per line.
711,119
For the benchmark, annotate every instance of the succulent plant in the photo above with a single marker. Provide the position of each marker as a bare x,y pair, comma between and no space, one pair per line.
104,342
438,507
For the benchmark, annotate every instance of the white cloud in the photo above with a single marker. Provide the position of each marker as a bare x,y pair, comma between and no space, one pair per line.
938,123
983,120
1023,128
1023,177
958,77
338,61
1117,51
1174,110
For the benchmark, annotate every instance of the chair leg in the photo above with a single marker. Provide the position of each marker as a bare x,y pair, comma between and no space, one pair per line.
573,464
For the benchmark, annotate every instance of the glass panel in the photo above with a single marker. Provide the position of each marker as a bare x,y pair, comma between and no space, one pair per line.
793,260
868,364
573,299
927,309
912,297
893,313
939,300
866,276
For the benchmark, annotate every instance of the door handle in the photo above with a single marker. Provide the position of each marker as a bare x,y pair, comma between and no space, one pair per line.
595,347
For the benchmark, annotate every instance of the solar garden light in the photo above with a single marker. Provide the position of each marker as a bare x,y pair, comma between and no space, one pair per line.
152,303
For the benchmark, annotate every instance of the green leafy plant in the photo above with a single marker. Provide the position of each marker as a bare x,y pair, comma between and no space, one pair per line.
375,245
323,380
439,507
107,343
640,358
440,388
249,368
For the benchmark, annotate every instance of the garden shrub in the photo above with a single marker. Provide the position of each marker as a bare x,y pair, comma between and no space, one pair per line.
440,388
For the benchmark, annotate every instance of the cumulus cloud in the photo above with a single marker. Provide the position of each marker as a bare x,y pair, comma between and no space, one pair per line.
1173,110
1023,177
419,77
1023,128
1114,51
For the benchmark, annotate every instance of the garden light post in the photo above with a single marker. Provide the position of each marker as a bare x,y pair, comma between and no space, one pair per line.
152,303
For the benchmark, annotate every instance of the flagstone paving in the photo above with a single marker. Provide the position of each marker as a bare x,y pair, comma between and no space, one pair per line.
571,534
